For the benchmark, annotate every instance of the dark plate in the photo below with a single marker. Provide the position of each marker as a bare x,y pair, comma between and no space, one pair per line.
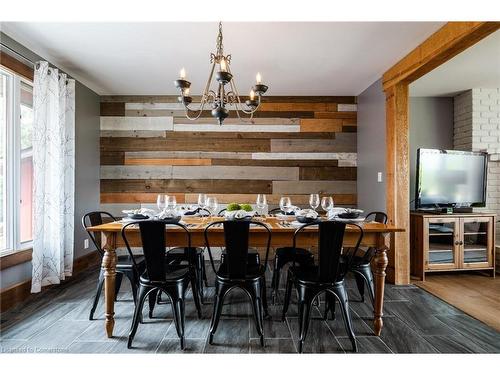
138,217
349,215
305,220
172,219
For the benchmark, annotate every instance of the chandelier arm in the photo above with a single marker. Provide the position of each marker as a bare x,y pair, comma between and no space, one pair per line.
235,90
204,98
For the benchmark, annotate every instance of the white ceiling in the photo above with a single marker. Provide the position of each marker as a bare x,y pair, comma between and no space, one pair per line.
330,58
476,67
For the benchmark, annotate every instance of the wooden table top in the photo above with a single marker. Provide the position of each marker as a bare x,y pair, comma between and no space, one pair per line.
197,224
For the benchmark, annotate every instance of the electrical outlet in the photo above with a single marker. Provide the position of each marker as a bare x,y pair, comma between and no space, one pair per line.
86,243
379,177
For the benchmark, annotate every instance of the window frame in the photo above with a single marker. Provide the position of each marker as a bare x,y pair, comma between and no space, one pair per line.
12,176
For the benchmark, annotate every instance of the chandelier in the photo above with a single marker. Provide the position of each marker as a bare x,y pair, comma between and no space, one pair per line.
226,93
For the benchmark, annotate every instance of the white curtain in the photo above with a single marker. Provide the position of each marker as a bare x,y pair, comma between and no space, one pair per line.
53,176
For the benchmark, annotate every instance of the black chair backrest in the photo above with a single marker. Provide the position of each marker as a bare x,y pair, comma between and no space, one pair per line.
236,236
93,219
153,239
330,241
221,211
377,216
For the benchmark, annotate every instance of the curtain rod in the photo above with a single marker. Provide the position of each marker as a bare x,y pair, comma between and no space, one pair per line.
32,63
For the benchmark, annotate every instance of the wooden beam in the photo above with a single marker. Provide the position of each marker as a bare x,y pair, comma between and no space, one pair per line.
16,66
448,41
16,258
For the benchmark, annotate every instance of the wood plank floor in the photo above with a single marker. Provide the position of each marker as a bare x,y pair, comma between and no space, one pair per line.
476,294
415,322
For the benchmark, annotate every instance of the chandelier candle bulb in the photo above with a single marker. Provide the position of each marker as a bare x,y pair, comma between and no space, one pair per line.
258,78
223,66
183,74
252,103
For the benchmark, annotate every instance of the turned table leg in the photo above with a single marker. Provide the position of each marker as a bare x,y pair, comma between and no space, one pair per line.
380,264
109,268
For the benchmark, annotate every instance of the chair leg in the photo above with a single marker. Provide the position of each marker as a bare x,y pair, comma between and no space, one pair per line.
118,284
304,317
288,295
255,292
204,270
341,295
329,306
132,277
196,297
275,282
178,310
263,293
220,293
137,314
360,283
366,271
199,276
152,302
100,283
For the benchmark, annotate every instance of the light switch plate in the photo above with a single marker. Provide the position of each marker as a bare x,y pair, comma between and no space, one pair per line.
86,243
379,177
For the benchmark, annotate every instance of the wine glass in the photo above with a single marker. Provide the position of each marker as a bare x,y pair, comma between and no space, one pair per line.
171,202
211,205
285,204
261,202
161,202
314,201
327,203
202,200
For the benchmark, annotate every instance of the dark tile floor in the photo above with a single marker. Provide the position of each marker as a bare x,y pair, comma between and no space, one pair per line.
414,322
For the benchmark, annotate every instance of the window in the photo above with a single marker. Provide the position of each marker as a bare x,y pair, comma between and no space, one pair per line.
16,162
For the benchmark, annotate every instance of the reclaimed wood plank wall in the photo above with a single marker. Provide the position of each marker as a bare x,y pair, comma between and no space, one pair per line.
293,146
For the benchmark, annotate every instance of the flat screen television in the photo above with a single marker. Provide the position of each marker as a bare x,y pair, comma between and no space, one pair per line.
449,178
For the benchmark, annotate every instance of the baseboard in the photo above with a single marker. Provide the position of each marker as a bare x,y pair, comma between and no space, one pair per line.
11,296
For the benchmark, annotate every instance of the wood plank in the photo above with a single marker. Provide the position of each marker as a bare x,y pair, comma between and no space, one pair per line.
112,158
241,128
305,155
162,144
236,173
265,99
113,109
187,155
249,135
149,161
349,128
398,178
136,123
137,197
157,172
347,107
336,115
328,173
320,125
16,66
319,187
293,107
187,186
132,133
276,163
343,142
444,44
232,114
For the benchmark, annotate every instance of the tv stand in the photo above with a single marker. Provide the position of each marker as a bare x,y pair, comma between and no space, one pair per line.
444,210
454,242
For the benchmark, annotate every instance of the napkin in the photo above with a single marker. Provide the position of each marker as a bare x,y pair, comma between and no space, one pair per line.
168,214
237,214
139,211
308,213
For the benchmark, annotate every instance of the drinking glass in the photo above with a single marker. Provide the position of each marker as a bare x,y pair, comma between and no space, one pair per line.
285,204
161,202
171,202
261,202
314,201
327,203
212,205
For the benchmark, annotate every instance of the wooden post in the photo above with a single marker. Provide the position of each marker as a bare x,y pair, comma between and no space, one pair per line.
398,177
109,268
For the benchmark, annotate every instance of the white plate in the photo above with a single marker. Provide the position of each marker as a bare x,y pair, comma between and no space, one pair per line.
295,223
357,220
284,217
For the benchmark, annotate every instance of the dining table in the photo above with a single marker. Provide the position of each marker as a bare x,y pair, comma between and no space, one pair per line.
375,235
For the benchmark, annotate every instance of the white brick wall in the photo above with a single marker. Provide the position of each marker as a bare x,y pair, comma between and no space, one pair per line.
477,128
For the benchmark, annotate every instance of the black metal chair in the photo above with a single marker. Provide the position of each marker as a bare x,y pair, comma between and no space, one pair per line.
129,265
283,256
235,272
325,277
221,211
361,265
159,276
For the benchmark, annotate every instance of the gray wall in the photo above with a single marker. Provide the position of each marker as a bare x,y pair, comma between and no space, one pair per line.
431,126
371,148
86,164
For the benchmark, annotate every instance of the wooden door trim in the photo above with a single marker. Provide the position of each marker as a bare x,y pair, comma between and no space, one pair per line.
447,42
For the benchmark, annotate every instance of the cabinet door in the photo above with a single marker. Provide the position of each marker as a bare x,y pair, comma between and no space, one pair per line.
441,246
476,242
